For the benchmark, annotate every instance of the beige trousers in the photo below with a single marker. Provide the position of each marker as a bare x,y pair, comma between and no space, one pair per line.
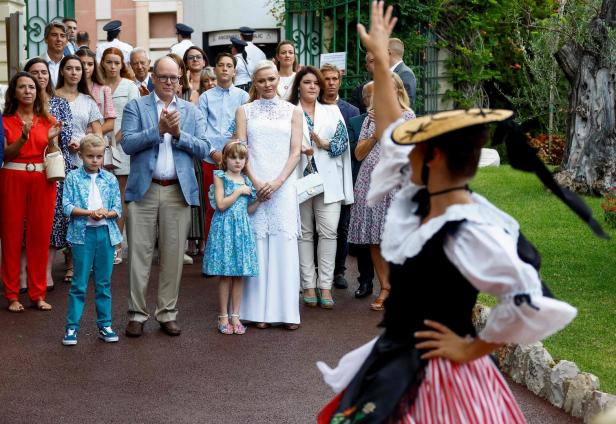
163,212
326,217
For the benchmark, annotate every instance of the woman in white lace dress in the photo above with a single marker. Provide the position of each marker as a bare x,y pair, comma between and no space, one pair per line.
273,130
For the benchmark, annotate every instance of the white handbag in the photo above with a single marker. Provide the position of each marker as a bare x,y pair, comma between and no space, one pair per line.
309,186
54,165
111,158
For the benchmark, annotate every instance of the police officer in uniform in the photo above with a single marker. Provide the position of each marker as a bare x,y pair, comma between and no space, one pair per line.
184,42
243,77
255,54
113,31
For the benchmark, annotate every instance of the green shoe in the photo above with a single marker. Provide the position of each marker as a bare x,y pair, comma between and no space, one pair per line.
326,303
310,301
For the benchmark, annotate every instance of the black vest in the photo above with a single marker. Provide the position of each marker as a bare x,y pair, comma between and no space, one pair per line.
426,286
429,286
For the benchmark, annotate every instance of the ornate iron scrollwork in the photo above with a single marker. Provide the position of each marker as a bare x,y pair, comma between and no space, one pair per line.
38,14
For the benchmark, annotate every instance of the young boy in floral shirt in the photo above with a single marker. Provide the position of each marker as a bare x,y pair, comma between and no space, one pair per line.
91,199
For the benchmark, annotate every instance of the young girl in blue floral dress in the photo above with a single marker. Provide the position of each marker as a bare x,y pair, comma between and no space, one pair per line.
231,252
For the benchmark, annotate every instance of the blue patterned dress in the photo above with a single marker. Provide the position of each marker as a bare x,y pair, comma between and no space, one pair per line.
231,249
60,109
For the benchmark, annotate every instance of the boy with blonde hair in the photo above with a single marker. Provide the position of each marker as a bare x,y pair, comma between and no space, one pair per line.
91,199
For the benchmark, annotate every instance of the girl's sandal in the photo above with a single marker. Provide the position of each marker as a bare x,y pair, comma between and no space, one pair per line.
15,306
41,305
239,327
262,325
378,304
224,328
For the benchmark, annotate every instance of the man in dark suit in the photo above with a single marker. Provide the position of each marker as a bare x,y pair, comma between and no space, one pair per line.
333,78
362,251
396,64
83,40
357,95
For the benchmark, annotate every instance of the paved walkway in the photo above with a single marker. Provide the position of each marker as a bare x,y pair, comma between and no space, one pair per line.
265,376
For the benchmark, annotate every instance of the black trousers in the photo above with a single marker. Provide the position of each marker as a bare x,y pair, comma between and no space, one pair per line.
342,247
362,251
364,263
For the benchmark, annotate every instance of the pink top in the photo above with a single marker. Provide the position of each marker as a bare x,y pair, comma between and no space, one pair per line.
106,109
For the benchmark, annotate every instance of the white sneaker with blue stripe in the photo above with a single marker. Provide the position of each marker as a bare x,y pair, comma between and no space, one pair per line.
70,337
108,335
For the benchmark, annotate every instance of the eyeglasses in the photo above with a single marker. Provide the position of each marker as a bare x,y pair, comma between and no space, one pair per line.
165,78
195,57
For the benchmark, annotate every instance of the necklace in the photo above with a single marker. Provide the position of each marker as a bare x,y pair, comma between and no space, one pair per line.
448,190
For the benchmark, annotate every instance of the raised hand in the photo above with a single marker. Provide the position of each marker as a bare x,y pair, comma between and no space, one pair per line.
143,90
25,130
381,25
173,119
163,122
73,145
54,131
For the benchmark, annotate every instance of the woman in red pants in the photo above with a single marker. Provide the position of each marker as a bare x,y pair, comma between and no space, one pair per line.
25,193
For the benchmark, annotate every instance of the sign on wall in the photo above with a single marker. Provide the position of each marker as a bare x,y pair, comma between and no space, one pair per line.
339,59
265,36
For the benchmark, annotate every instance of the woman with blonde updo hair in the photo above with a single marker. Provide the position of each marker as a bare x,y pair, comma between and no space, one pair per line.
366,225
272,129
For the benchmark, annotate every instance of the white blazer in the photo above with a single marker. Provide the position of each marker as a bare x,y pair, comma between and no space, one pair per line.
336,171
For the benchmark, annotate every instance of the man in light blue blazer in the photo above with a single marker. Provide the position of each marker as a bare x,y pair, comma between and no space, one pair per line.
162,134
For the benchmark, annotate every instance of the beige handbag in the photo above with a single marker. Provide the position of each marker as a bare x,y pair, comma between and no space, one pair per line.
111,158
54,165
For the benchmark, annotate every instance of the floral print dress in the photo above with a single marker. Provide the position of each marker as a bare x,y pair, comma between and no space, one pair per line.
60,109
231,249
366,226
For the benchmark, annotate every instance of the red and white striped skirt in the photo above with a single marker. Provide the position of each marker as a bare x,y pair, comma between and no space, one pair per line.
452,393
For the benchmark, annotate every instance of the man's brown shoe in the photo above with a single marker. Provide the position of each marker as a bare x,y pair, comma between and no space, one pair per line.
170,328
134,329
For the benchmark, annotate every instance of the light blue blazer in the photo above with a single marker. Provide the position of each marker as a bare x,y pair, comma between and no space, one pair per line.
140,140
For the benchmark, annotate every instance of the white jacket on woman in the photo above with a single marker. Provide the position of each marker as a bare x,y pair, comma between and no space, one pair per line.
336,171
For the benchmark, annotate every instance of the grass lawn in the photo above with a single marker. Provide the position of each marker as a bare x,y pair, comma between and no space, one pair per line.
579,267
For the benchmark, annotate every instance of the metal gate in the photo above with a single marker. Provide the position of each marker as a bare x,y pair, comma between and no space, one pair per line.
38,14
328,26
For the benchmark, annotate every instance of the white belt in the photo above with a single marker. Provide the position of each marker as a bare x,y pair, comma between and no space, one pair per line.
28,167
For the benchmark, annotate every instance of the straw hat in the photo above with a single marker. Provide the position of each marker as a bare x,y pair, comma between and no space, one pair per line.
426,127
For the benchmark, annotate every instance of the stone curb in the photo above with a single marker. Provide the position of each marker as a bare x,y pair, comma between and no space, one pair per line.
561,383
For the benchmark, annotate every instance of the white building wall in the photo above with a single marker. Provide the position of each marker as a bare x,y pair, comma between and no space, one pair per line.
209,16
215,15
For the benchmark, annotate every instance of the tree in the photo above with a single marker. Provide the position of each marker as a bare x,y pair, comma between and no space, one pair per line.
589,163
